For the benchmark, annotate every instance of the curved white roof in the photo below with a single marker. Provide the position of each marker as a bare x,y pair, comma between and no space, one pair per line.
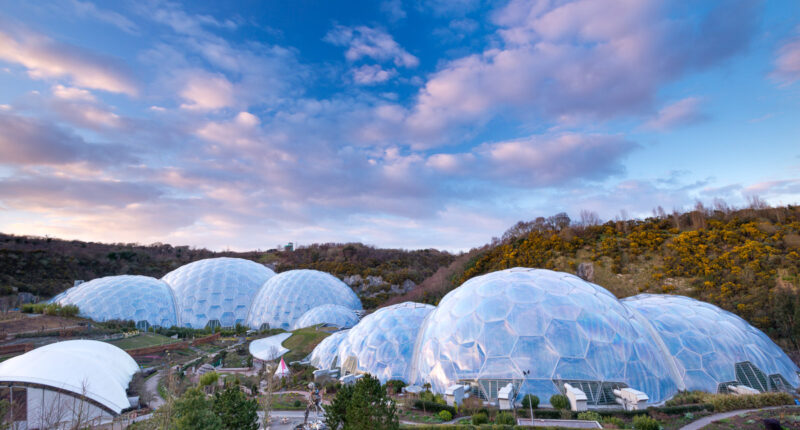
269,348
98,370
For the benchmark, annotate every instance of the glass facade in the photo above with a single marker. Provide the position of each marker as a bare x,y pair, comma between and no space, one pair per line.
539,328
335,315
145,300
216,291
284,298
326,354
711,346
382,343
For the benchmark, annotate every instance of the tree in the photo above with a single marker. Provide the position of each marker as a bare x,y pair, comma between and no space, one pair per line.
559,401
235,410
209,378
370,407
194,411
530,401
362,406
336,412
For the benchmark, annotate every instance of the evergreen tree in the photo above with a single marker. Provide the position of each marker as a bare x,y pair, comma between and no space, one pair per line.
193,411
370,407
336,412
235,410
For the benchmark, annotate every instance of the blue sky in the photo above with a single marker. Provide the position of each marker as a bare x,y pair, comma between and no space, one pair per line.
411,124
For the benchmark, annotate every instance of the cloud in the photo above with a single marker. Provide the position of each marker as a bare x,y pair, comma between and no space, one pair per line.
540,161
371,74
29,141
393,9
372,43
91,10
81,107
680,113
45,193
787,61
579,60
48,59
207,91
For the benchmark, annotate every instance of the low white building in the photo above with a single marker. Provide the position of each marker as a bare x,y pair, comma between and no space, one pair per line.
77,382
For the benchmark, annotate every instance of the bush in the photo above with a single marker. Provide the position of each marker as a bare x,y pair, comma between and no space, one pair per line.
589,416
679,410
559,401
686,398
445,415
643,422
395,386
730,402
504,418
297,403
566,414
613,422
530,401
433,407
479,418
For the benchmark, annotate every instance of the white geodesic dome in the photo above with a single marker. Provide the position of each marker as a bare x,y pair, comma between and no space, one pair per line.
326,354
712,347
382,343
540,329
218,291
333,315
284,298
145,300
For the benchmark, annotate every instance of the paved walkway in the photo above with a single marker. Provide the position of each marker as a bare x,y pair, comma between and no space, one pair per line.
702,422
151,385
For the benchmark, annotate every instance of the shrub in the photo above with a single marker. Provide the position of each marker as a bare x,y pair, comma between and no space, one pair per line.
296,403
395,385
589,416
479,418
433,407
445,415
530,401
730,402
643,422
686,398
504,418
559,401
566,414
613,422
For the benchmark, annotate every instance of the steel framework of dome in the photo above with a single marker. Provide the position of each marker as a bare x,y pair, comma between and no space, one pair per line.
713,348
284,298
326,354
216,291
538,329
145,300
382,343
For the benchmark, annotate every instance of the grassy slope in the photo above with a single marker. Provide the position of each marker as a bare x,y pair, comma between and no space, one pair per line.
302,342
143,340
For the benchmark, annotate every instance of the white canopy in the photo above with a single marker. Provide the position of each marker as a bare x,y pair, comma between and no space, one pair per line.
97,370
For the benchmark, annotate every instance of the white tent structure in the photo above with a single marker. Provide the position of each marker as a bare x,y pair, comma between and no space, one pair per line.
63,383
283,370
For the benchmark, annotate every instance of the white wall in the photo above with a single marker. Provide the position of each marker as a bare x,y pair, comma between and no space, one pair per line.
51,409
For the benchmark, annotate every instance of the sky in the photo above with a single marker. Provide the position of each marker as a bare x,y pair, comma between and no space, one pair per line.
410,124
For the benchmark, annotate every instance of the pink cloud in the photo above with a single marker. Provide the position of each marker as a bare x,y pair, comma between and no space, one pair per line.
372,43
682,112
787,62
48,59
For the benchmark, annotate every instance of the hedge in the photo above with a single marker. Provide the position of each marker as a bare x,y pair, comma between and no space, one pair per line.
481,427
434,407
730,402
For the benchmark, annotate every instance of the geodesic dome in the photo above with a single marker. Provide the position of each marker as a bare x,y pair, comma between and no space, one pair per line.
284,298
335,315
218,291
712,347
145,300
382,343
542,328
326,354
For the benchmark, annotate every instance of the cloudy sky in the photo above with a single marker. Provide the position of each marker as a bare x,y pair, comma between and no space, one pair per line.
401,123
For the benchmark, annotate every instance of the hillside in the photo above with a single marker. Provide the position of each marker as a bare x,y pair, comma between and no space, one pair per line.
745,261
47,266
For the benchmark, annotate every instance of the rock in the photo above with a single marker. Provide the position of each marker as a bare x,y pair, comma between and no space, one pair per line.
586,271
353,280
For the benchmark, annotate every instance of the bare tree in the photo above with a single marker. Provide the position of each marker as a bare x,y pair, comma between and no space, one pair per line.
81,410
755,202
589,218
267,374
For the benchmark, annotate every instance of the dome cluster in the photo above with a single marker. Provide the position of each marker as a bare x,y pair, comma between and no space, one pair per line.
219,292
539,329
